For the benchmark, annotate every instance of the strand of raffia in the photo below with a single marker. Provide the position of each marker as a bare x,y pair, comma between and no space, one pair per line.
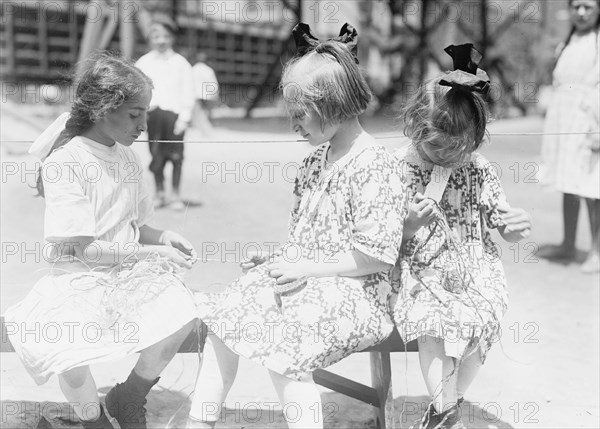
127,286
458,280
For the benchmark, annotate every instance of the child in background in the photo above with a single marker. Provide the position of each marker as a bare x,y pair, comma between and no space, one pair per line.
571,145
207,92
452,285
113,289
170,109
324,295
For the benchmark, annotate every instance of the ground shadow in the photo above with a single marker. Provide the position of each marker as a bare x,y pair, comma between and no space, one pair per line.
542,253
165,408
339,412
169,409
187,203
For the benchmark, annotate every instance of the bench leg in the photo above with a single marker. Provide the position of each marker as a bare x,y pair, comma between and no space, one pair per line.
381,378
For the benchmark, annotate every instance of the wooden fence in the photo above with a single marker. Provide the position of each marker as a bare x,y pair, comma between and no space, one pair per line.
40,44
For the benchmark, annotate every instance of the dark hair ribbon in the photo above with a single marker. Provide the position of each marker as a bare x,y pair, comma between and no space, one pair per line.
467,75
306,42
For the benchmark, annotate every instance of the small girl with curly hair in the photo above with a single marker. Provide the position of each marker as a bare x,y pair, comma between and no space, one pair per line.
452,286
114,287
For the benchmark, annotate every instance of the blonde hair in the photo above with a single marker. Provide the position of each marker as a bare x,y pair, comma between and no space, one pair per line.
326,81
452,118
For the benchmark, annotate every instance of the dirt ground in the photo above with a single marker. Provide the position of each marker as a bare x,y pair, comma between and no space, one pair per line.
543,373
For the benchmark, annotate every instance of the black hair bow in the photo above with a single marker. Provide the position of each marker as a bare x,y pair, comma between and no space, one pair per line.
306,42
466,75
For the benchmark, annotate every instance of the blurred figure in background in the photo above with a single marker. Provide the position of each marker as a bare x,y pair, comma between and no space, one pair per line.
571,146
170,109
206,88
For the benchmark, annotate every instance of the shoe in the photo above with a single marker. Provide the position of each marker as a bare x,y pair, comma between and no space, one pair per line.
101,423
160,200
558,253
591,265
177,205
125,402
447,420
431,418
451,419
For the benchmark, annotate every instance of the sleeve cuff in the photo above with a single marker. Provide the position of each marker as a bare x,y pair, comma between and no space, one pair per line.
385,256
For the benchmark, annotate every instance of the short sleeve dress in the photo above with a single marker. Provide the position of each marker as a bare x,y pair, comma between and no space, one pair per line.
358,203
80,314
569,164
424,306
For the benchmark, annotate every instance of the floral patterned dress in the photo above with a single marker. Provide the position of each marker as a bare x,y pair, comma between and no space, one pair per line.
426,305
359,204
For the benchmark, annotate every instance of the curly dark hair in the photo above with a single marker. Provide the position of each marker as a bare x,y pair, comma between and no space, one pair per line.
107,81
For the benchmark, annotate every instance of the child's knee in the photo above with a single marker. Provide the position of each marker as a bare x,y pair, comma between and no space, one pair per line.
75,377
171,345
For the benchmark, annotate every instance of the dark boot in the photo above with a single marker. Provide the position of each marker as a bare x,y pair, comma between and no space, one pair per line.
431,419
101,423
451,419
447,420
125,402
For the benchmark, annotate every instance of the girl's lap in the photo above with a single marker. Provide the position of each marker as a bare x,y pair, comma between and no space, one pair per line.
320,298
328,319
83,308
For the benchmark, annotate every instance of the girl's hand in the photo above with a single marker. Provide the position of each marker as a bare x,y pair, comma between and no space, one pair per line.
421,212
285,272
514,223
175,255
173,239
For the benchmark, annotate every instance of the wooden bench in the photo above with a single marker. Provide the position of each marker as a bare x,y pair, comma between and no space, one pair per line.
379,395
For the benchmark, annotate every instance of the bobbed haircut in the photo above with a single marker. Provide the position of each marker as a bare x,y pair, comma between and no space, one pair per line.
452,118
326,81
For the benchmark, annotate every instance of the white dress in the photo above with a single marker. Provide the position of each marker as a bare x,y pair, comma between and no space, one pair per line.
569,164
79,315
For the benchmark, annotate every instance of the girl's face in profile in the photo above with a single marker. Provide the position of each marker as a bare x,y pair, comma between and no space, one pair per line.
584,14
310,127
125,124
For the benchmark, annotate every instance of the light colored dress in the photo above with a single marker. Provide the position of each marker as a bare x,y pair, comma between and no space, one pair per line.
79,315
358,203
425,304
569,164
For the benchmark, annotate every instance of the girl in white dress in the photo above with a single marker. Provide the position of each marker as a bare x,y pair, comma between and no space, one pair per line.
571,147
114,287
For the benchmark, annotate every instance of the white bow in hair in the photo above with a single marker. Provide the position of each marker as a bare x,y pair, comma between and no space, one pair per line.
41,147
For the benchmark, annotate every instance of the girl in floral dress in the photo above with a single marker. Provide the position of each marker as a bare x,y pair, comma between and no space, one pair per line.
325,293
452,286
